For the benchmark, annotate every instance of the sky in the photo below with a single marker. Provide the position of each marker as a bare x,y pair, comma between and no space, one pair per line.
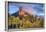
35,9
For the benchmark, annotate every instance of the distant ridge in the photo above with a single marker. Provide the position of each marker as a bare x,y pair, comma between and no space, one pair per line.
15,14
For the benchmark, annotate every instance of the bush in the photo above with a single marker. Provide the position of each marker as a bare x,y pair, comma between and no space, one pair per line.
25,23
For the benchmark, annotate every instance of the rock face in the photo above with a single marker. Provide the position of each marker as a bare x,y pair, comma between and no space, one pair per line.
20,13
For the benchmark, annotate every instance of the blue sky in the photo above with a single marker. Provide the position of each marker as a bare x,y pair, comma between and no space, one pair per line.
37,9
